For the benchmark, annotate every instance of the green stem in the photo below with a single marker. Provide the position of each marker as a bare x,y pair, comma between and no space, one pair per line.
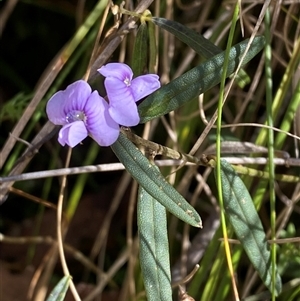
269,98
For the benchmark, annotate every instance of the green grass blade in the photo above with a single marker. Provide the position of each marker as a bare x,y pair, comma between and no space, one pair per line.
246,223
270,137
196,81
224,287
197,42
153,181
154,247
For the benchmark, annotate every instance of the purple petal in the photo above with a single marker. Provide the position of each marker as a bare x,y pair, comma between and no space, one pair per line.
62,102
102,128
76,96
144,85
72,133
122,107
125,114
55,108
118,70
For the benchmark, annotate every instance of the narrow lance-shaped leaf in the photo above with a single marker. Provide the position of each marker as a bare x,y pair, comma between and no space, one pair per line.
197,42
152,48
140,50
153,181
240,210
154,247
196,81
59,291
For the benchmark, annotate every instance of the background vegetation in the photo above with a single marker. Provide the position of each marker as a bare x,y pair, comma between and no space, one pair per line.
45,47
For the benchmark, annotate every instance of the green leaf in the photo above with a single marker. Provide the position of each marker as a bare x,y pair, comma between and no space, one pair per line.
140,50
153,181
154,247
152,48
197,42
190,37
60,290
240,210
196,81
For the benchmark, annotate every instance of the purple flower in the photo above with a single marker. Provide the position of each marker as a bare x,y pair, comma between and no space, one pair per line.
82,112
123,92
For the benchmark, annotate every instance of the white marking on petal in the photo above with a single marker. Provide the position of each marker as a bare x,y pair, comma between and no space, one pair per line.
75,116
127,82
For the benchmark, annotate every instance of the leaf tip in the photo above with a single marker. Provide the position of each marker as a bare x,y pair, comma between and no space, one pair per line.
199,224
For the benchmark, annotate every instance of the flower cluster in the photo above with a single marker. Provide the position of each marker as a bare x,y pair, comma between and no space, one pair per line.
82,112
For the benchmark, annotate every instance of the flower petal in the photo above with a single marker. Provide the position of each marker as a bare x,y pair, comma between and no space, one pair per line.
76,96
72,133
123,92
55,108
62,102
118,70
122,107
125,114
144,85
102,128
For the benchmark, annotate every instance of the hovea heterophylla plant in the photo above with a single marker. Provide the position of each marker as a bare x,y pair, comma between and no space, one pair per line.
83,112
78,107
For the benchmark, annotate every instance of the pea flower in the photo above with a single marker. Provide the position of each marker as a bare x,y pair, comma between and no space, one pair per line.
82,112
123,92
